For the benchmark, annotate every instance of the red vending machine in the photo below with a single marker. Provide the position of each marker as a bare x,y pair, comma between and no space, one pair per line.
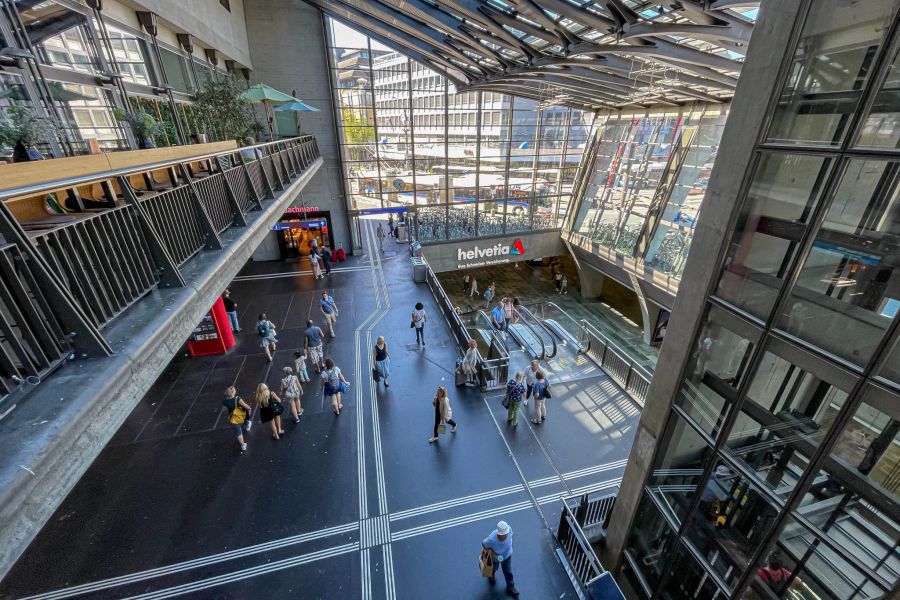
213,335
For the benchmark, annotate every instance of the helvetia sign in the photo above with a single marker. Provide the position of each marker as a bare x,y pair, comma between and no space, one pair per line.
488,256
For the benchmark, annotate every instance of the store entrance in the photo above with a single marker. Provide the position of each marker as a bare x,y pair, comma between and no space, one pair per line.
297,232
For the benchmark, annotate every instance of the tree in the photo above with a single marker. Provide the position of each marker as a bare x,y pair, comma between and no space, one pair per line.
356,128
219,107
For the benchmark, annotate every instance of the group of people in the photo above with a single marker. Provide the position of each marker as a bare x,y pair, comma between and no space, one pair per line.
530,384
505,312
379,231
319,258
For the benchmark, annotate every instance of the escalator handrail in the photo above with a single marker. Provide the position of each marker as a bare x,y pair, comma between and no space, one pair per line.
582,347
543,327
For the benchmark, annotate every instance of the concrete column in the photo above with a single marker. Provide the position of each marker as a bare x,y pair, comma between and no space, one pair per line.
590,280
756,87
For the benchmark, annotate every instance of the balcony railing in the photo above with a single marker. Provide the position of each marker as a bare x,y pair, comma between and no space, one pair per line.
65,277
583,523
615,362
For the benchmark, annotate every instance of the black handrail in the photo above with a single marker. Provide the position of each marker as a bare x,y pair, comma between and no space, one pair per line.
530,316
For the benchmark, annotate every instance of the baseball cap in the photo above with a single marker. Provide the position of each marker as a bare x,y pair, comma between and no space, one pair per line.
502,528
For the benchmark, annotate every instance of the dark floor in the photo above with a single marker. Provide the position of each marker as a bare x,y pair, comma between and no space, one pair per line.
534,285
356,506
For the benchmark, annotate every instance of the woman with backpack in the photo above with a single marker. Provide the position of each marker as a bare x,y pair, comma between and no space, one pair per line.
292,390
540,392
238,415
334,385
270,409
443,413
419,316
265,329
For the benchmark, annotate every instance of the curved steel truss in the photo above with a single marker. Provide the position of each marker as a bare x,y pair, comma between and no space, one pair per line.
585,53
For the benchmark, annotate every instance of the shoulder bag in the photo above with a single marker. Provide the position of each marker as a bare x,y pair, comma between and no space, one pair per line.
239,414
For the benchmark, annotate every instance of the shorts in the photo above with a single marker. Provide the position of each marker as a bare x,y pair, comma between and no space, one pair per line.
315,354
238,430
266,341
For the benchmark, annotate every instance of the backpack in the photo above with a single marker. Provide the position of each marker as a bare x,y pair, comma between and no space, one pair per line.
262,329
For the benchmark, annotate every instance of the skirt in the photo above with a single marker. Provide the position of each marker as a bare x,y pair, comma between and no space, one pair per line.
383,367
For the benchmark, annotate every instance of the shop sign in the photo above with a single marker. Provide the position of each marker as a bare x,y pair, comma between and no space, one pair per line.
294,210
493,251
311,224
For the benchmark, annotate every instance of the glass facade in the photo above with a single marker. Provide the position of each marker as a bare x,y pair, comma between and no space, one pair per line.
646,182
469,163
778,472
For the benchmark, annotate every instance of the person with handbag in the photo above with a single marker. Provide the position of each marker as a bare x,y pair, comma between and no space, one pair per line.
443,414
270,409
499,543
334,385
515,391
292,390
265,329
382,362
469,365
238,415
540,393
419,316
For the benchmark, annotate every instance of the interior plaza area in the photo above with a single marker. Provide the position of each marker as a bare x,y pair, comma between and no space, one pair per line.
469,299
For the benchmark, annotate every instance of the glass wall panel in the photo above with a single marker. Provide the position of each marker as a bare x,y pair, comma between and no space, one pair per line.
787,413
687,579
848,280
431,223
881,128
461,221
717,367
771,224
730,523
490,218
678,468
178,71
130,55
802,567
60,35
831,66
650,541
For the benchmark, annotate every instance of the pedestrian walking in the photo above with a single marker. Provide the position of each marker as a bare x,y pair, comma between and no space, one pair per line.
418,322
467,279
326,259
292,391
443,413
489,295
231,311
391,224
499,542
334,385
238,415
540,393
473,291
382,361
379,233
265,330
507,313
530,379
516,305
564,285
315,261
558,279
270,409
515,391
330,310
300,357
312,343
497,317
469,363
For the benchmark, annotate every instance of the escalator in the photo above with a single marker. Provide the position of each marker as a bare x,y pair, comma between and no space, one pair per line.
531,329
562,325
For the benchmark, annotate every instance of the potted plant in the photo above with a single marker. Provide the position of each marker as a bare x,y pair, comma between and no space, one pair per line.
218,107
21,129
143,125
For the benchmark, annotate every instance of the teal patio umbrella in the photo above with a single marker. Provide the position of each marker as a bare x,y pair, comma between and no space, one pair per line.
297,107
267,95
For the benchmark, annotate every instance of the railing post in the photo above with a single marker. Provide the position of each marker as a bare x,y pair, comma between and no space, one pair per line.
83,335
270,191
169,275
288,168
206,225
237,215
289,156
255,200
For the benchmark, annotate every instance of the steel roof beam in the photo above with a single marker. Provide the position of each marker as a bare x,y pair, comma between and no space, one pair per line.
581,15
526,28
660,48
713,33
723,4
620,12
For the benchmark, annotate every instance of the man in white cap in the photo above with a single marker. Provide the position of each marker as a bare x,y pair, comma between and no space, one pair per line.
500,545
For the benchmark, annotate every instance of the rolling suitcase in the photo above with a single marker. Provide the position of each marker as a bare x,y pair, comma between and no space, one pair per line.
340,255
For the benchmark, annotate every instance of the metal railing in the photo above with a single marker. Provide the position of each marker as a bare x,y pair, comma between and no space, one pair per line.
494,370
633,378
60,285
581,517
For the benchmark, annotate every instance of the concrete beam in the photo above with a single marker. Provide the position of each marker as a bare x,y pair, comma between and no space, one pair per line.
59,427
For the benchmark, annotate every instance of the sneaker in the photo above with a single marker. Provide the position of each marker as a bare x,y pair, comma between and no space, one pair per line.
492,580
386,384
512,591
300,412
432,440
243,447
332,334
249,425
